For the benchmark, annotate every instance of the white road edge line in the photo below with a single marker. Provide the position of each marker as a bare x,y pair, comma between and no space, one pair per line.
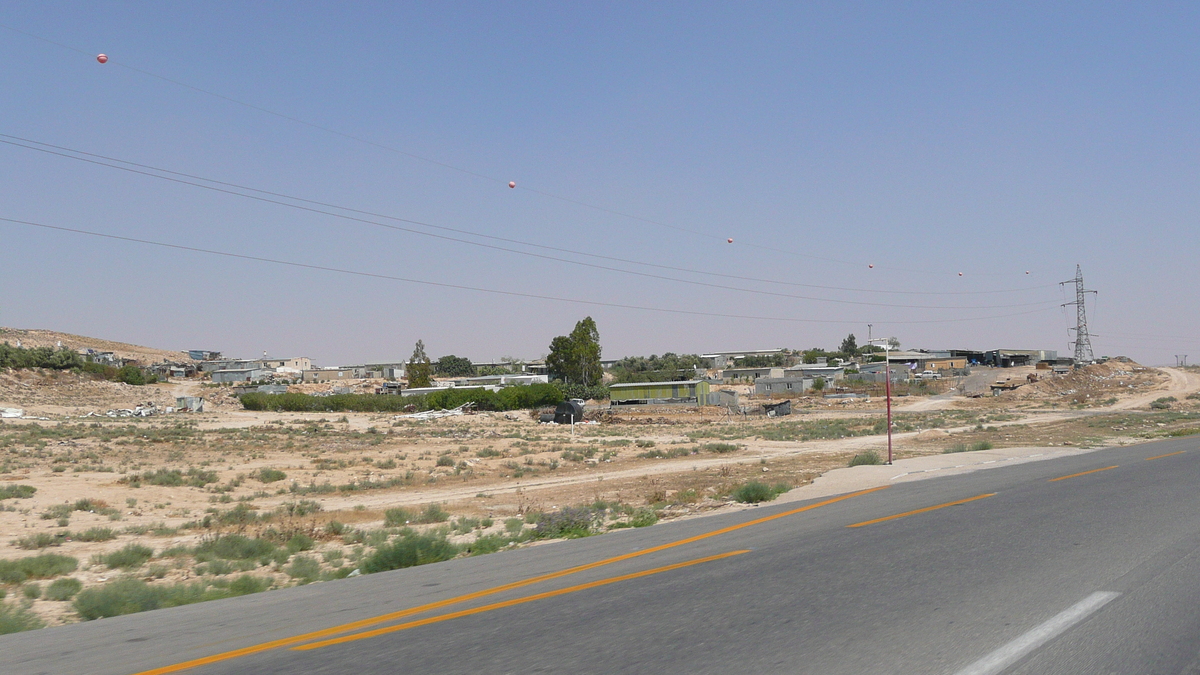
1012,652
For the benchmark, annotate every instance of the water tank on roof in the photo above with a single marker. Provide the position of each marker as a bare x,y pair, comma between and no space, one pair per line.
568,412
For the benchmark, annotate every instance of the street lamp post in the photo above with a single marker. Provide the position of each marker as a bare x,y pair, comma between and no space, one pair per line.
887,385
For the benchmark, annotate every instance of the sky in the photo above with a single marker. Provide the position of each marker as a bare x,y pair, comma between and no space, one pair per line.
925,171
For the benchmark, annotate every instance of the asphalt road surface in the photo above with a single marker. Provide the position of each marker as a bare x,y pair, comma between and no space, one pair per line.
1083,564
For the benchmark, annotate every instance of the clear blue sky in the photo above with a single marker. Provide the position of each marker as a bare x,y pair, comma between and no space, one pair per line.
924,139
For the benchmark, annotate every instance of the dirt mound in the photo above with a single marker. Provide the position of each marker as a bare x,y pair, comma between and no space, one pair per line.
48,338
1116,377
61,392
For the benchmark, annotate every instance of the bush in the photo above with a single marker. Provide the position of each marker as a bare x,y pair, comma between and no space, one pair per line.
234,547
1163,403
866,458
509,398
753,493
643,518
37,541
174,478
14,619
16,491
247,584
128,596
63,589
397,517
721,448
31,591
131,375
305,568
569,523
42,566
130,557
270,475
963,447
408,551
96,534
445,460
433,513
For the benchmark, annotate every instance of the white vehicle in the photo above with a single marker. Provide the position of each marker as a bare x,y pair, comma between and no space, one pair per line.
929,375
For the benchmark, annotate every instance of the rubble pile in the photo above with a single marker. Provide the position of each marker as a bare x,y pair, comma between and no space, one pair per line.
1111,378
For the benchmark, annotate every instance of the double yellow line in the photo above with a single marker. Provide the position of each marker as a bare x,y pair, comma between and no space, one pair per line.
322,635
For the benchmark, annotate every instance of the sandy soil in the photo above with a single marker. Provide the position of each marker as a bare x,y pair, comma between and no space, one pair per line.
351,468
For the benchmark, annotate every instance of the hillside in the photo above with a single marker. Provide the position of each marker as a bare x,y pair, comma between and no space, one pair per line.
50,338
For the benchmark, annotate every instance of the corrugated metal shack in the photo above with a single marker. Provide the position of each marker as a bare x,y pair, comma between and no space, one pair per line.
692,392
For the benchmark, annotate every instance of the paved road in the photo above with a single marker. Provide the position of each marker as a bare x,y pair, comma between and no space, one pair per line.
1093,573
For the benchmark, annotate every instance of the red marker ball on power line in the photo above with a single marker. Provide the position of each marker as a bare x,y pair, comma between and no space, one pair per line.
512,184
870,267
960,274
102,58
730,240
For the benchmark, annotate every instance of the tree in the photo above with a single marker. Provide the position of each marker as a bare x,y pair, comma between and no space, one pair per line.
849,345
575,358
894,343
419,369
454,366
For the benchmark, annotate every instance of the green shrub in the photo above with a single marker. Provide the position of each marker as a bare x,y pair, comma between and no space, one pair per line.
509,398
267,475
130,557
96,534
299,542
31,591
445,460
397,517
408,551
37,541
44,566
570,522
753,493
63,589
643,518
719,447
305,568
14,619
174,478
129,595
16,491
963,447
487,544
233,547
866,458
247,584
433,513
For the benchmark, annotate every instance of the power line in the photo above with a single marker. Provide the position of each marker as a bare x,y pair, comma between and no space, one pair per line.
493,291
233,192
774,249
479,234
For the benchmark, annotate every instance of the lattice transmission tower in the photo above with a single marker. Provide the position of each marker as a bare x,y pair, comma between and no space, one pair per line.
1083,340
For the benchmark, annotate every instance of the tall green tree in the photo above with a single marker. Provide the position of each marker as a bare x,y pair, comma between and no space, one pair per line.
850,345
419,369
575,358
454,366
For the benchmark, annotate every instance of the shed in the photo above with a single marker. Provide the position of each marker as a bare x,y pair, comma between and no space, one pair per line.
644,393
189,403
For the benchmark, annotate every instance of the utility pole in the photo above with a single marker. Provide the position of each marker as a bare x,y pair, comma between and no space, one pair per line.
1083,340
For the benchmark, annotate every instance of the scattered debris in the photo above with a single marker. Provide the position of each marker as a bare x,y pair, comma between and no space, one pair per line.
11,412
463,409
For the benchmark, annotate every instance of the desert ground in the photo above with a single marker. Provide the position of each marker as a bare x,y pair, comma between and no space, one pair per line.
311,497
